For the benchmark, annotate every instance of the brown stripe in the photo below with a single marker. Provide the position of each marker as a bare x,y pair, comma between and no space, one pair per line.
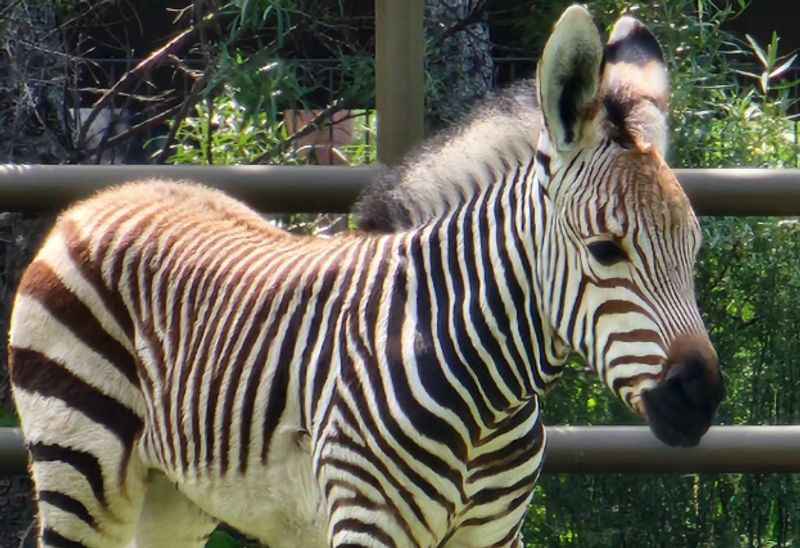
615,306
340,438
50,537
206,292
650,359
276,397
357,500
202,284
520,451
35,372
81,255
44,285
630,381
635,335
492,494
232,329
144,261
214,404
189,276
148,337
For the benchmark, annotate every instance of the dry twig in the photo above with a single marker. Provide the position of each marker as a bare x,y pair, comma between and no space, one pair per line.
161,55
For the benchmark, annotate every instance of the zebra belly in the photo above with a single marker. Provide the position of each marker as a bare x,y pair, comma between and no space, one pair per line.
279,504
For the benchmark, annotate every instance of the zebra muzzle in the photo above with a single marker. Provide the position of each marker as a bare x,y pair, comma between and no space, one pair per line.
681,407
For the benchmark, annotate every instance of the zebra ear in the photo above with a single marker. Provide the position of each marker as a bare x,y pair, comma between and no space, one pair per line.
568,77
635,87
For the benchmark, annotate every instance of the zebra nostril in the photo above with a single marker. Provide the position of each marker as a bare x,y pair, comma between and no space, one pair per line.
693,372
689,383
680,408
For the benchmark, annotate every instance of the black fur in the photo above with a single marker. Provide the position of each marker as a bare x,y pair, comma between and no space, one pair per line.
544,160
638,48
573,91
618,110
378,209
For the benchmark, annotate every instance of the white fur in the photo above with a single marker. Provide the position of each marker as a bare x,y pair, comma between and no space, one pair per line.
433,180
281,504
572,53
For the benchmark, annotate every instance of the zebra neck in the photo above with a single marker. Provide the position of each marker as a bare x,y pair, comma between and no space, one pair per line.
471,287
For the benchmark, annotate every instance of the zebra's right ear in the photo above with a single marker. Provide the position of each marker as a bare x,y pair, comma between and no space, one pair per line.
568,77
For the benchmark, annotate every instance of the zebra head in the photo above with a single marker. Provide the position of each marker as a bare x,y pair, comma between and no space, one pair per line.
620,241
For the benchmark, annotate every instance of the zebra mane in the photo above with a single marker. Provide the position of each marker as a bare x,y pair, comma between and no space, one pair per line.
500,131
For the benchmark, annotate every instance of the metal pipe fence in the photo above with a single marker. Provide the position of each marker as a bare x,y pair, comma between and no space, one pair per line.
610,450
318,189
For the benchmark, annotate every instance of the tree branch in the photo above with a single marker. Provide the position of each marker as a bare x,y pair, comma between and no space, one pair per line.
135,130
157,57
183,111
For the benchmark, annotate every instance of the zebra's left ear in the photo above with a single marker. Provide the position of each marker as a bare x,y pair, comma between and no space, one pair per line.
634,87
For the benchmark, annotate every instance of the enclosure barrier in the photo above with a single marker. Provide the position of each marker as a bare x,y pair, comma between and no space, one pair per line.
610,449
595,449
316,189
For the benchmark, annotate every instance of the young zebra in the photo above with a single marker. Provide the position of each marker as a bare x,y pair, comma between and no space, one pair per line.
177,362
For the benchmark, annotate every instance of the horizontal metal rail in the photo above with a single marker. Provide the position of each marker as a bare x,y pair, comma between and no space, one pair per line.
271,189
13,458
283,189
610,449
634,449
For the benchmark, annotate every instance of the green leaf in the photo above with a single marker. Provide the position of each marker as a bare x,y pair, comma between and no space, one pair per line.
8,420
783,68
748,312
221,539
762,56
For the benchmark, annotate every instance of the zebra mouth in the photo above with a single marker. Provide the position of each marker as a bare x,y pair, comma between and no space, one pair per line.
681,406
675,416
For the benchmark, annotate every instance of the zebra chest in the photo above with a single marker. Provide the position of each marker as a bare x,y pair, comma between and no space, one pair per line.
400,475
279,503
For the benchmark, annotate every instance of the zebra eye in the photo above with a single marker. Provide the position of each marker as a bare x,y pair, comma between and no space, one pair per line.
607,252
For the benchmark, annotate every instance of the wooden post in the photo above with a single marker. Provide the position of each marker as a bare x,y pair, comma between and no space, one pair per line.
400,76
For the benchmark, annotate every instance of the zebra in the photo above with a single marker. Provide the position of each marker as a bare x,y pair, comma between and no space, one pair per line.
178,362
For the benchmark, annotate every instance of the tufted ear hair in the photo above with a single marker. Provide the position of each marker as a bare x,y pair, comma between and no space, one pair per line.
635,87
568,77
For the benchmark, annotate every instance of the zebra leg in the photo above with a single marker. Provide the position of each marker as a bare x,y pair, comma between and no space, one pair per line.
80,410
169,519
85,498
364,527
359,512
517,541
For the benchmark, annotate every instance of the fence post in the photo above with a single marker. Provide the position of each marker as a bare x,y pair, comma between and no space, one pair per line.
400,76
